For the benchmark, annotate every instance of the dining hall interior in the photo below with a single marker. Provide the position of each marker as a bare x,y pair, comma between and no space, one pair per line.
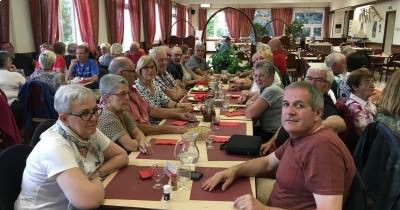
218,104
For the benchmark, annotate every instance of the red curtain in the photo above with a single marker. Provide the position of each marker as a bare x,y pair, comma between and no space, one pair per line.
115,20
181,25
165,12
134,12
232,18
4,21
326,23
202,18
282,14
44,25
88,16
149,22
189,19
245,28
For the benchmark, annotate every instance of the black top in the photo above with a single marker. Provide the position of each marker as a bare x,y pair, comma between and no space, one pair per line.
22,61
175,70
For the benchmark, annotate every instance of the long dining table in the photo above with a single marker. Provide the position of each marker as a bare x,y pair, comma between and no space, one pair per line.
125,189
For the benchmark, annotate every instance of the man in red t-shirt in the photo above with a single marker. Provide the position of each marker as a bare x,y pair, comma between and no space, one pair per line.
134,53
314,169
279,59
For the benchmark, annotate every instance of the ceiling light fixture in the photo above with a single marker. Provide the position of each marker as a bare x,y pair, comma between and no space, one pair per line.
205,5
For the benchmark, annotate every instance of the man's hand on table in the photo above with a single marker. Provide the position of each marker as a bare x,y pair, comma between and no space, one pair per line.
226,176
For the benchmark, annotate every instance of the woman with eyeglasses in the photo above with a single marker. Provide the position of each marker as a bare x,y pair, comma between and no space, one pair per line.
264,106
360,110
146,73
66,167
115,122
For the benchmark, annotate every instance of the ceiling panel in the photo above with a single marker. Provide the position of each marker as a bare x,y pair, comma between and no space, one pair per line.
259,3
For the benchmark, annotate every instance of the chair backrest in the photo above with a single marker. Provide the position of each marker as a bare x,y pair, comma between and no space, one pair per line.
357,198
42,127
285,40
292,60
12,164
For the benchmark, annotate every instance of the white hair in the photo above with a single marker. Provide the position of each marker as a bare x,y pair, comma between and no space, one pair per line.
329,74
47,59
67,94
333,58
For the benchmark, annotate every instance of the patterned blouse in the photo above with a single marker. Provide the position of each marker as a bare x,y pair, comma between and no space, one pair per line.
114,126
165,80
158,99
53,79
362,112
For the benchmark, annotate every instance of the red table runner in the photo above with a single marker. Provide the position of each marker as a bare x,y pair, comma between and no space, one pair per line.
188,125
161,152
238,187
127,185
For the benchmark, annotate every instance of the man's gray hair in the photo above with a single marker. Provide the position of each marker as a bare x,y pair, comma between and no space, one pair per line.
109,83
316,100
67,94
267,67
333,58
328,72
118,63
155,51
199,45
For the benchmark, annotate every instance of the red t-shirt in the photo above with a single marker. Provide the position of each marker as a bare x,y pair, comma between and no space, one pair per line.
279,60
134,57
139,109
58,63
319,163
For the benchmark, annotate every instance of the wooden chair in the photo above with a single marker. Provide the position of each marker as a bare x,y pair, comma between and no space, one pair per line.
390,66
292,64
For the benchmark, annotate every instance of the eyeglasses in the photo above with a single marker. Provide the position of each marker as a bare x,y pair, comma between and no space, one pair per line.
122,94
86,115
316,79
147,68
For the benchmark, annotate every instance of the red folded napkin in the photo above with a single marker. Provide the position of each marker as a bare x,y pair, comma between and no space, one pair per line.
221,139
199,97
165,141
229,124
146,174
235,113
199,92
235,96
179,122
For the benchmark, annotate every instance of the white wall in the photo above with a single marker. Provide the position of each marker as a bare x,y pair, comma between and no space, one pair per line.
102,23
20,27
338,18
339,4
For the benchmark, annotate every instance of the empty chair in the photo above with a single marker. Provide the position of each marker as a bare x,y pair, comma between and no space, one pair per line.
42,127
390,66
292,65
12,164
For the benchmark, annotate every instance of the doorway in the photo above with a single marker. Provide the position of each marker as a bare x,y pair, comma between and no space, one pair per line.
389,31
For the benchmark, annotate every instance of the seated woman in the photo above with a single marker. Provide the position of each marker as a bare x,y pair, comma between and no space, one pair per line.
66,167
146,73
189,78
265,106
361,111
46,73
115,122
10,80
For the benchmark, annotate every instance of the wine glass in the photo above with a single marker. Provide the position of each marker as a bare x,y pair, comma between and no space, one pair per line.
158,173
209,142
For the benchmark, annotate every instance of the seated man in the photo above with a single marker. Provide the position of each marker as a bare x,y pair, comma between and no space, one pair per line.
141,110
135,52
197,62
226,45
314,169
322,79
174,66
164,79
83,66
19,60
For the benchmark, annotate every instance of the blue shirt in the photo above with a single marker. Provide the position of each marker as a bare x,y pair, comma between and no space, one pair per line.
88,69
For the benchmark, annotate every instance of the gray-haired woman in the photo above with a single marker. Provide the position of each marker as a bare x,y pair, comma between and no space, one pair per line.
115,122
65,168
45,73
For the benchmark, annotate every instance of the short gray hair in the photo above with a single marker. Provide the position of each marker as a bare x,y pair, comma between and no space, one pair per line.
116,49
110,82
118,63
329,74
199,45
267,67
67,94
47,59
155,51
316,100
333,58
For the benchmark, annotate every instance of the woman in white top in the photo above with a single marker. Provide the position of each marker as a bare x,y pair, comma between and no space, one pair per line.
65,169
10,81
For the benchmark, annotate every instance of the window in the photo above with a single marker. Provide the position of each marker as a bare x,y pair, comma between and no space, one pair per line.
174,28
313,21
157,36
69,26
217,27
263,17
127,37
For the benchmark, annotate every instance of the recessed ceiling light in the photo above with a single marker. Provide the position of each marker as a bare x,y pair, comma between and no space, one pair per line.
205,5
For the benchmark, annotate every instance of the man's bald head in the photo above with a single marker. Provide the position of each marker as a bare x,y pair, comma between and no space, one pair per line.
275,44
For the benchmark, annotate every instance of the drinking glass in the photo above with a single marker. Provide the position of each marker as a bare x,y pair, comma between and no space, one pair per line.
215,123
158,173
209,142
183,177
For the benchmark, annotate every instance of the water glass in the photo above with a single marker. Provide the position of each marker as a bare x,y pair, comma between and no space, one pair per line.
215,123
158,171
184,177
210,141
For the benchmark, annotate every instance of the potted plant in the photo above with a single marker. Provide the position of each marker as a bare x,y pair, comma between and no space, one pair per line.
261,30
294,30
227,60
